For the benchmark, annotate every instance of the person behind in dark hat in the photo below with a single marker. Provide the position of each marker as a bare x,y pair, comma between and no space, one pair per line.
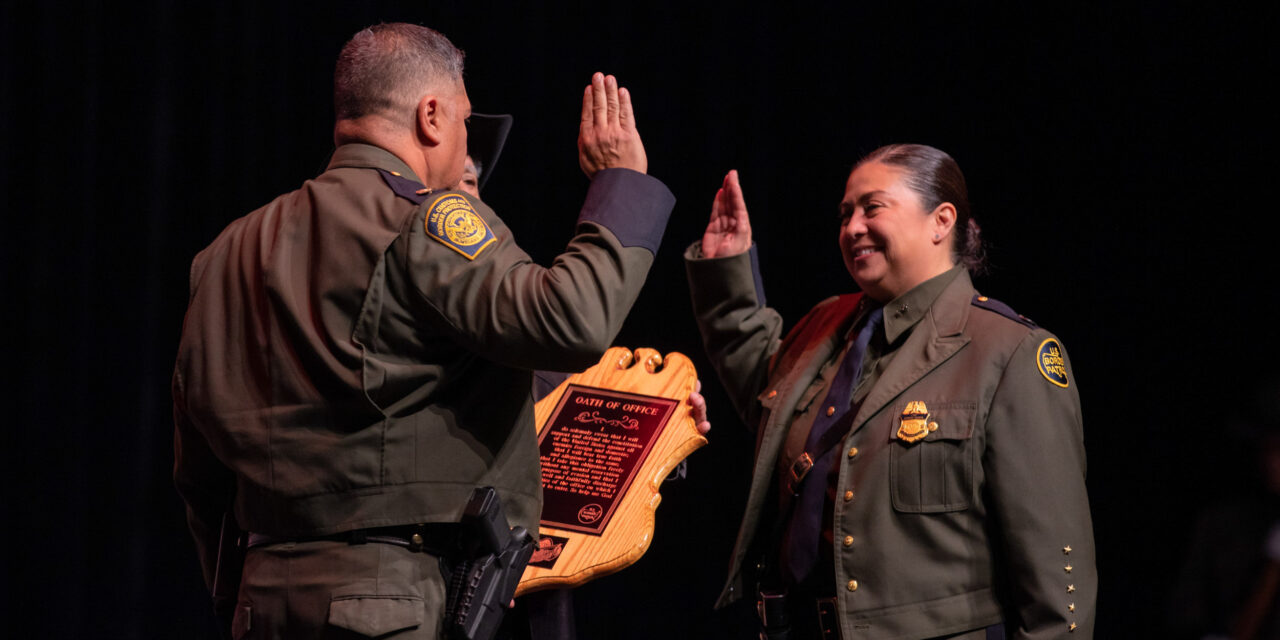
486,135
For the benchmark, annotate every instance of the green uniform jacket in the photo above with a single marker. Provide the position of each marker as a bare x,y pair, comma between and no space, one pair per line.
357,354
985,519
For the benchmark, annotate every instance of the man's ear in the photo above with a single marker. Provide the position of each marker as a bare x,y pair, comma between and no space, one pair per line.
427,119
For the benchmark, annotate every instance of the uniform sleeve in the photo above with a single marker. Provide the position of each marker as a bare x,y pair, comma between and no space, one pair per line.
206,486
498,303
1035,467
739,332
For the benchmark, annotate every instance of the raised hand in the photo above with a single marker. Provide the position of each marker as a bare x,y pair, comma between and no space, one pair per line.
729,230
607,136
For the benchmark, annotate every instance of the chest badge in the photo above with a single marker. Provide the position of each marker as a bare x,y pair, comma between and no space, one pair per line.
914,423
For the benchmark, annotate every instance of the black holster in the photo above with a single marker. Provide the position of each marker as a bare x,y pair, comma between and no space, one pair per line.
484,570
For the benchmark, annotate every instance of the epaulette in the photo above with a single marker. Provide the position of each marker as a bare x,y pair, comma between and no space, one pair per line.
1003,309
406,188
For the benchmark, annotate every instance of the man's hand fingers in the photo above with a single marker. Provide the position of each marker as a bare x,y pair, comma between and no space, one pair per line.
626,116
699,413
611,100
587,101
598,105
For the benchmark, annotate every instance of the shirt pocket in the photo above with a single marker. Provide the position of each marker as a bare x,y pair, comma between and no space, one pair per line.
935,474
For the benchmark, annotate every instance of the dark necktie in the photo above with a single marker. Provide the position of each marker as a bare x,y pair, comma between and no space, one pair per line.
800,544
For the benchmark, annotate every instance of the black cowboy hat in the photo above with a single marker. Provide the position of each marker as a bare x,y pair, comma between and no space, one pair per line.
485,136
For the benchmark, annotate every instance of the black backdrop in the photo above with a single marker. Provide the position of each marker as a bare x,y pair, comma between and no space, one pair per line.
1116,156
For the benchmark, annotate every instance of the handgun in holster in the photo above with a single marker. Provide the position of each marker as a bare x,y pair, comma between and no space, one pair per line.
485,569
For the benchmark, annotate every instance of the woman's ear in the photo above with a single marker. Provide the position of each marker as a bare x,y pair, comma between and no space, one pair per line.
944,221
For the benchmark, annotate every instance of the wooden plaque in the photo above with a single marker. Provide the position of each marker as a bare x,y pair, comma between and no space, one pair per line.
608,438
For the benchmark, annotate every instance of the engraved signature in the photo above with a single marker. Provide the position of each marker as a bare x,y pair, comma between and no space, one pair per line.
594,417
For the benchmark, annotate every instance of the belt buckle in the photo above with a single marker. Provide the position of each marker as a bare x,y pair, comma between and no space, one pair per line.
799,469
828,619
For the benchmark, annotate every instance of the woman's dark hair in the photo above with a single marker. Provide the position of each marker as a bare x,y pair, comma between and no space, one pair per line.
936,178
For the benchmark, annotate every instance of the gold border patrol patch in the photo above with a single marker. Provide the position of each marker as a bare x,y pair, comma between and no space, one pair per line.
1051,363
454,223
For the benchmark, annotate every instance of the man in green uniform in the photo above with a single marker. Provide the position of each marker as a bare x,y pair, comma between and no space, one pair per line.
356,356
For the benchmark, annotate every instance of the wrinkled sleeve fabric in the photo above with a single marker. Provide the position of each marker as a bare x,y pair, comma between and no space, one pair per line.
740,333
504,307
1035,467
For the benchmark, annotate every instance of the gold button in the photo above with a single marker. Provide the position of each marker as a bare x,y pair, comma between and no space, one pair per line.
831,410
1066,550
853,585
848,541
1067,568
1071,588
1071,607
848,495
416,539
773,393
1072,627
853,452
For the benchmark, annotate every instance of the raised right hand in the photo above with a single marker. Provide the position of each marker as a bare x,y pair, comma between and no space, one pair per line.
607,136
729,231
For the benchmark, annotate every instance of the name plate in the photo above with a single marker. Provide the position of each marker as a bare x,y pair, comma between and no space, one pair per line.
608,437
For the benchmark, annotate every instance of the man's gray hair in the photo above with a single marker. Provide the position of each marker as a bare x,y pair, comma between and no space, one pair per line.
385,69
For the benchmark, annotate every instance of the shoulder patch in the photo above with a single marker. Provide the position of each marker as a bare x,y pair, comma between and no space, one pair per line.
454,223
1051,363
995,306
406,188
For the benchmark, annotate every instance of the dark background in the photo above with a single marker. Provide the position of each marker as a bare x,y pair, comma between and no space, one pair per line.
1118,158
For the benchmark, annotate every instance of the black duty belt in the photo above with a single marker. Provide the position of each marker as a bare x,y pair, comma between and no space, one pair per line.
436,538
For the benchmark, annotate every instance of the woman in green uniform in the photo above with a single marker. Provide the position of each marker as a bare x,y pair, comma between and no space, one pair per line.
920,463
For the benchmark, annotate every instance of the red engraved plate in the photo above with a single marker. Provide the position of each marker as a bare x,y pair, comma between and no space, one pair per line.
591,449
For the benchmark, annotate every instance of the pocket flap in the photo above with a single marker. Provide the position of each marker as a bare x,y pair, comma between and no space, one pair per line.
374,616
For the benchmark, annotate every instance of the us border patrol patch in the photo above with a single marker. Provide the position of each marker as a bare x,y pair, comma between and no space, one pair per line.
1052,365
452,221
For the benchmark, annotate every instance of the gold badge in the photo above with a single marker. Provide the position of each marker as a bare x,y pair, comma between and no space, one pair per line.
914,424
